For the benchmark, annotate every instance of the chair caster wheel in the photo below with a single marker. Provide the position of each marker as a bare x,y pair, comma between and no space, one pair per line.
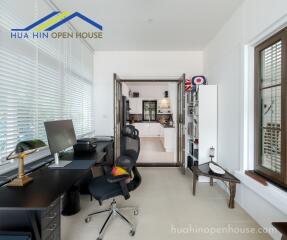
99,238
87,220
132,233
136,212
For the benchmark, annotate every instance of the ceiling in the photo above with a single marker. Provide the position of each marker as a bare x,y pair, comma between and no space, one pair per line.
155,25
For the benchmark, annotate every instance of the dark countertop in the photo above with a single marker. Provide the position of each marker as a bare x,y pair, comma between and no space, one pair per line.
146,122
167,126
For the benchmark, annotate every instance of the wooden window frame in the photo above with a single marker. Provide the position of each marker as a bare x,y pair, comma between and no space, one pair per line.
279,179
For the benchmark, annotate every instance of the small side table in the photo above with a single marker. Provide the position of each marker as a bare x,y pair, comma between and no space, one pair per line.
203,170
282,228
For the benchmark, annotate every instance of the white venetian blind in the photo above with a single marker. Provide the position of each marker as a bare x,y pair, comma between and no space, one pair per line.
40,80
270,91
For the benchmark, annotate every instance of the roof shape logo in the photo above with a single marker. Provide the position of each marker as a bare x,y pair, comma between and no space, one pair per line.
56,19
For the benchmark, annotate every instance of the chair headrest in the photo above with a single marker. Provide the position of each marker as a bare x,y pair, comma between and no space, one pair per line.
130,131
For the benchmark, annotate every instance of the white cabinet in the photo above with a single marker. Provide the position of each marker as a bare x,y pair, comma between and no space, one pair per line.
169,139
148,129
201,117
135,105
154,129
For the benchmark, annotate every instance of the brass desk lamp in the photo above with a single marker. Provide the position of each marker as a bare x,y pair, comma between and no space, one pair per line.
22,150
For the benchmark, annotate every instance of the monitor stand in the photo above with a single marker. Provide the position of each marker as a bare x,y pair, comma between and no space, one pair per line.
58,163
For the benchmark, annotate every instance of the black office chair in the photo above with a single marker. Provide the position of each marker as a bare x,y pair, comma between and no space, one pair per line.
108,187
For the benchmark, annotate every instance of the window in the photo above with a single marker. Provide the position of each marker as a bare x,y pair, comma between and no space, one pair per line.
271,108
149,110
40,80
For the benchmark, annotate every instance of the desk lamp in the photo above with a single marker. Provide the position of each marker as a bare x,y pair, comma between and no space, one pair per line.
22,150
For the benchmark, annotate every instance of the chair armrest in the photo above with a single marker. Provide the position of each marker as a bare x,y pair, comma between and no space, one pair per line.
114,179
121,179
104,164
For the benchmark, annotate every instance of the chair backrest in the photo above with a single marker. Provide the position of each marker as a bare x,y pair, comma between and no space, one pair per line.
130,146
130,142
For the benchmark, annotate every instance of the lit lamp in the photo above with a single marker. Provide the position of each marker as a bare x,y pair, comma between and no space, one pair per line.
22,150
211,153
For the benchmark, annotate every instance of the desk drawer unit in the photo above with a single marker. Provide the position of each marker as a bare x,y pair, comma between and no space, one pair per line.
50,222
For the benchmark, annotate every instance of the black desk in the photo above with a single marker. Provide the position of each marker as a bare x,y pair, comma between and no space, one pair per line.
36,207
48,185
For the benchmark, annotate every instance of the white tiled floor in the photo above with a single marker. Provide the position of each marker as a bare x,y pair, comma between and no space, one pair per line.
152,151
166,205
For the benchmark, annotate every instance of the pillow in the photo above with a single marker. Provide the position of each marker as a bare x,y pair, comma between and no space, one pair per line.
117,171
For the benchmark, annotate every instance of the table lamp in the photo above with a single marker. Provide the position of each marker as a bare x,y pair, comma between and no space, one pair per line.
22,150
211,153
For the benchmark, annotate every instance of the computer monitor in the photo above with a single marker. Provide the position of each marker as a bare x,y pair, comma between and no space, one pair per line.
61,135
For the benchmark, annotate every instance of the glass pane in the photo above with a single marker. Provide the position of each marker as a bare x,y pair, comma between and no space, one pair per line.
271,128
149,108
271,65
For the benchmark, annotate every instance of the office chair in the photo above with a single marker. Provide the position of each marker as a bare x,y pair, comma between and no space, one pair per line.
108,186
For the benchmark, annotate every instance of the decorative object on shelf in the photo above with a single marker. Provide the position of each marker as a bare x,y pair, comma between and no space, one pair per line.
216,169
22,150
189,98
188,85
190,146
211,153
198,80
195,148
189,128
136,94
189,162
190,110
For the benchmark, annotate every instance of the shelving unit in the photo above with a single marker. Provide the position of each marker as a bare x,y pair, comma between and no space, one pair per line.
201,123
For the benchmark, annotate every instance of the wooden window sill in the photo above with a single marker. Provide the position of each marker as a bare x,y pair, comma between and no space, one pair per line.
256,177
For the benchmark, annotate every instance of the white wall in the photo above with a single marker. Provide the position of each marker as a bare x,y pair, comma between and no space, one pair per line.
149,91
136,65
228,63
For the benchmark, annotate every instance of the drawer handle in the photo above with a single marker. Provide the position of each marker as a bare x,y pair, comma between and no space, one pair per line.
53,228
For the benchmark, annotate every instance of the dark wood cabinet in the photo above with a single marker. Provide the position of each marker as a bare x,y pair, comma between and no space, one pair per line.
50,221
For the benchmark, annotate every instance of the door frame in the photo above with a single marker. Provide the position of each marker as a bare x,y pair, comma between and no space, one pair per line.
180,146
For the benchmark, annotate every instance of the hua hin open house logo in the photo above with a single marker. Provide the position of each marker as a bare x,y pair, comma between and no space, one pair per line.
43,28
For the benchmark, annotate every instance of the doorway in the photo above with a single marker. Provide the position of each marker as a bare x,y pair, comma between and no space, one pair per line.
149,109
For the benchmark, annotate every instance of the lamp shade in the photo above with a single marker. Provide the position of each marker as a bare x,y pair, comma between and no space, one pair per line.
29,145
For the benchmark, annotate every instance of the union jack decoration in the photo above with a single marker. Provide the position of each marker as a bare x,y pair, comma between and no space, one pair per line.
187,85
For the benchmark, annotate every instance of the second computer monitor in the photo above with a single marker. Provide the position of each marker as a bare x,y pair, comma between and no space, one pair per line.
61,135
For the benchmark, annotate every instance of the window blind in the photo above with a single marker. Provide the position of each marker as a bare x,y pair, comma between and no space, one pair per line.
271,59
40,80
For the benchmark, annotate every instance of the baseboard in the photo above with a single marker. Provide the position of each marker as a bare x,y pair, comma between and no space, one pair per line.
157,165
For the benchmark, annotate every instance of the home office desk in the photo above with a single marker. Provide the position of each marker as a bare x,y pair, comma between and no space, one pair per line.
36,207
